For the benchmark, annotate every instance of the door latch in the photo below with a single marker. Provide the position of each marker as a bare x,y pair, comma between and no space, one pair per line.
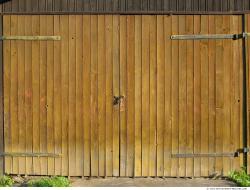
117,100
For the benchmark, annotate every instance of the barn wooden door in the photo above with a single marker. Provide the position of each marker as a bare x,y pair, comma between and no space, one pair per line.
183,99
117,97
59,117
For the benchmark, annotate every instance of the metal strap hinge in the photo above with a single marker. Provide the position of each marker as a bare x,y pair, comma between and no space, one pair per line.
26,154
228,154
210,36
31,38
243,150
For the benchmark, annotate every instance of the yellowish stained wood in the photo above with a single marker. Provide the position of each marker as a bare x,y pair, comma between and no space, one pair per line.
168,97
36,93
130,75
28,94
123,92
101,75
72,95
79,96
211,93
116,92
145,95
175,99
57,97
179,96
21,93
182,97
197,98
190,94
204,95
64,25
227,60
152,96
86,95
43,96
160,95
138,95
13,93
219,95
7,78
94,97
109,95
235,137
50,97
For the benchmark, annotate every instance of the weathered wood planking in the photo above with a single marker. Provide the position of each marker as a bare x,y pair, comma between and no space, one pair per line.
1,101
124,6
179,96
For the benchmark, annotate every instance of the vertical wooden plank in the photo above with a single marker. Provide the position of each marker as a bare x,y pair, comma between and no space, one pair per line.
1,100
160,94
116,92
182,96
123,92
58,96
86,94
190,97
43,96
197,98
247,21
35,93
238,92
101,93
204,95
145,95
211,93
219,95
21,94
168,96
72,95
130,95
138,96
153,96
94,97
28,93
109,94
79,95
13,93
7,78
227,94
240,86
50,96
175,99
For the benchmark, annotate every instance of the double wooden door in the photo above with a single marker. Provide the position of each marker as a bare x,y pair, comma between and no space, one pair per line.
116,97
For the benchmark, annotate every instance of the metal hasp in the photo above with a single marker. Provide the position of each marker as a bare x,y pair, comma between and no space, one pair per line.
25,154
31,38
210,36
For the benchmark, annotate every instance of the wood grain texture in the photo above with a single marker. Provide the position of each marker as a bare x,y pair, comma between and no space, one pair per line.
138,96
204,95
1,101
123,6
116,92
179,96
7,73
86,95
123,92
197,98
